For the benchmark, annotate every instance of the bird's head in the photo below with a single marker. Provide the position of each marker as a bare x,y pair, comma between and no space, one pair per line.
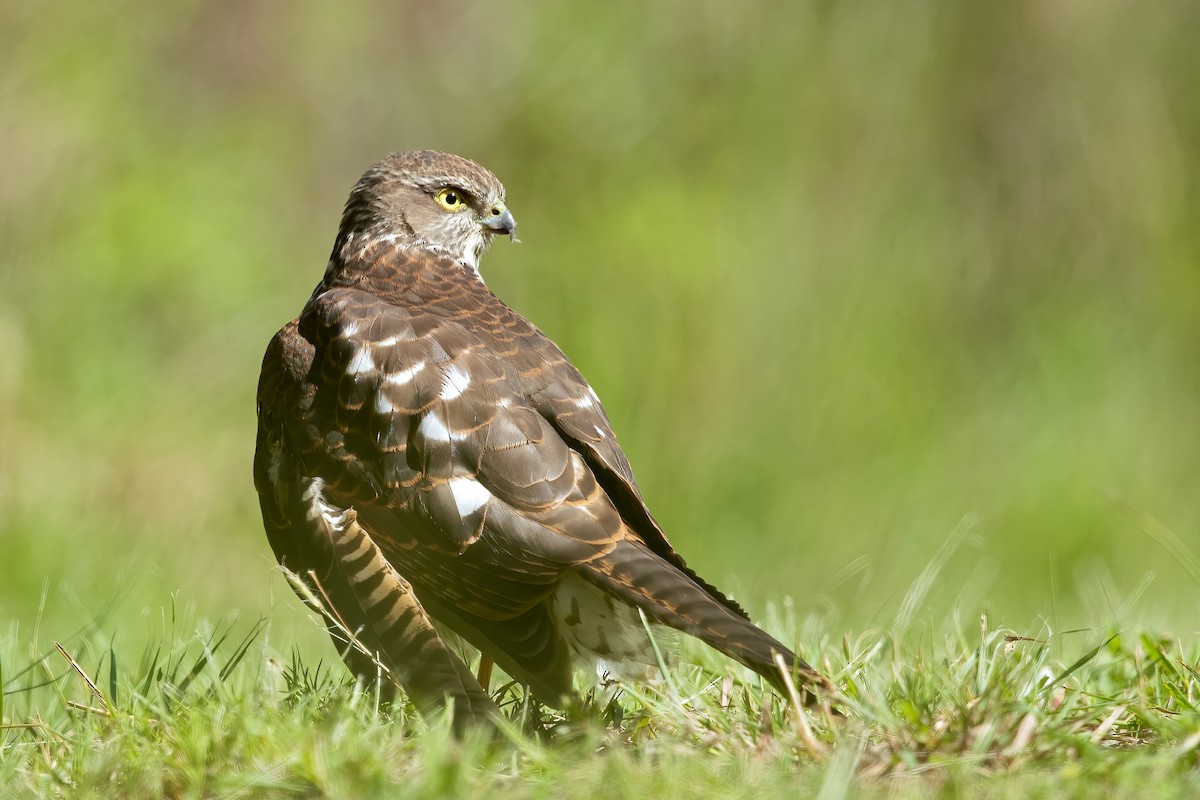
428,199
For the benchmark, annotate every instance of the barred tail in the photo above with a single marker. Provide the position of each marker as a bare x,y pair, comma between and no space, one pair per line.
670,597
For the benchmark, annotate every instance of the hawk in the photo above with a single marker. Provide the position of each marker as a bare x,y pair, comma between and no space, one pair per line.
426,455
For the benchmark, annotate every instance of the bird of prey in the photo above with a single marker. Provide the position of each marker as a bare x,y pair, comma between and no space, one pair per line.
426,455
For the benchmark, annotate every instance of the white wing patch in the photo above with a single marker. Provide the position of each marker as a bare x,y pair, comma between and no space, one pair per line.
405,375
433,428
362,362
455,383
469,495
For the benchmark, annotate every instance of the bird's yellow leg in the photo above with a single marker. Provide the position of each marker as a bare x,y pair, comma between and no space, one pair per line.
485,671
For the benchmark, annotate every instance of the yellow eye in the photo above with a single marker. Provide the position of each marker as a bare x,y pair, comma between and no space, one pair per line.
451,199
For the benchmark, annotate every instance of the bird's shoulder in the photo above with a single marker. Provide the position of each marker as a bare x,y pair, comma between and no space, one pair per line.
402,349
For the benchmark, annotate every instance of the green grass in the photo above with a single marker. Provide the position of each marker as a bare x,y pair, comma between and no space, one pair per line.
966,708
976,711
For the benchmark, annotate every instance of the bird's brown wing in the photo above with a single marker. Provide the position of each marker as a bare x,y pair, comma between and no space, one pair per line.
564,398
545,379
371,611
411,421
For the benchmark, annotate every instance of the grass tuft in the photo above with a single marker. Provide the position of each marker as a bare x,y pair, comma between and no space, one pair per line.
219,713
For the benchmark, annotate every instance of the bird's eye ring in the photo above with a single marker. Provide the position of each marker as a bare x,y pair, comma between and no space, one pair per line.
451,199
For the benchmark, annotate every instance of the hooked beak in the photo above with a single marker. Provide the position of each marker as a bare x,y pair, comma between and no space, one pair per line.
500,220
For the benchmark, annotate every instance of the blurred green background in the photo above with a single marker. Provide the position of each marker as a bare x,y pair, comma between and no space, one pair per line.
843,274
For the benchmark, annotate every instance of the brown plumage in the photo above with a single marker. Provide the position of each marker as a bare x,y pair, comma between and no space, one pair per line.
424,453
